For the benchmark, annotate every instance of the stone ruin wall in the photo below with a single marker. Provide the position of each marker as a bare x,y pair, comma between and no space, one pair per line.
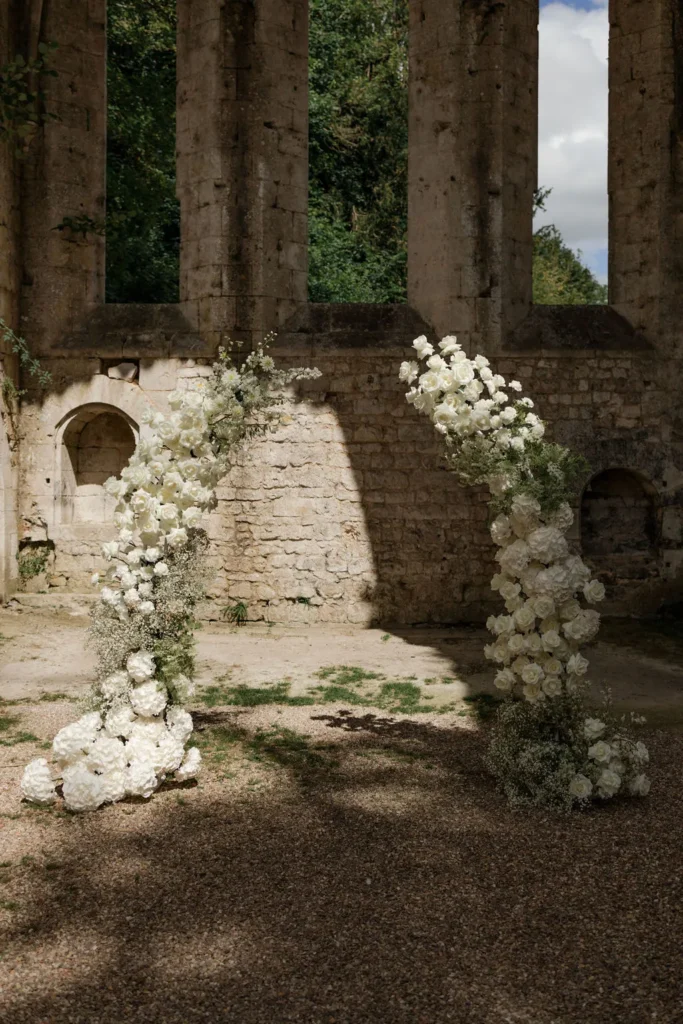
348,514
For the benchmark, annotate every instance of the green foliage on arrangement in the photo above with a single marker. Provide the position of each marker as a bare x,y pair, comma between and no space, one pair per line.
22,110
143,222
544,470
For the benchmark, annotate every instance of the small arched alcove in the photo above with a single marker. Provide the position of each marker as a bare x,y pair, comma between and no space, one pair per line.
619,533
95,442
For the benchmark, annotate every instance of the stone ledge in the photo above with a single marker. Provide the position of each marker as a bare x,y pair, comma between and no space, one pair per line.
572,329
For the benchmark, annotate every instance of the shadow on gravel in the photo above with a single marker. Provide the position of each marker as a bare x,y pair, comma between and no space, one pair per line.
366,895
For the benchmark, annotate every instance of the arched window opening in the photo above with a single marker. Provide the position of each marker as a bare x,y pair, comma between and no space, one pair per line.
96,444
619,524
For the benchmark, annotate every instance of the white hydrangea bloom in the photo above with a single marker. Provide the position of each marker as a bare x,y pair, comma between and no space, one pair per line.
148,699
36,782
106,755
82,789
72,742
179,723
141,778
119,722
191,766
140,666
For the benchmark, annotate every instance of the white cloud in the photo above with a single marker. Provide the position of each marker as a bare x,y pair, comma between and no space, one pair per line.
572,125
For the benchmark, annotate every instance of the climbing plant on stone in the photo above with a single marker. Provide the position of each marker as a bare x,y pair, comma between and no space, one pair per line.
137,732
546,749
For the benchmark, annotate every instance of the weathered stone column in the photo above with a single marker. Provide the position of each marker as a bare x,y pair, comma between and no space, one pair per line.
472,164
646,167
242,138
9,311
64,176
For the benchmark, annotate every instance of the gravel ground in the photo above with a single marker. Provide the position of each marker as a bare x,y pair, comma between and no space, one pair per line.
336,864
368,873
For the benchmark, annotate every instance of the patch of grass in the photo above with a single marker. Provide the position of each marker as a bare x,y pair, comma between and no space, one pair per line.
403,698
8,905
334,694
20,737
385,637
347,675
6,864
289,749
251,696
236,613
53,698
7,722
483,706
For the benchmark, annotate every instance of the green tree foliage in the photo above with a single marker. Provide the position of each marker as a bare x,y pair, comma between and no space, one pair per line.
358,150
358,209
559,276
143,223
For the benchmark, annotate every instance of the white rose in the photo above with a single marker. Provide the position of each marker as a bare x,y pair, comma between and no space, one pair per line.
639,786
577,665
449,345
110,549
514,558
532,673
132,598
408,372
463,372
161,569
600,751
524,618
552,687
551,640
505,679
581,787
543,606
532,691
509,590
177,537
569,610
192,516
422,347
594,591
608,783
517,644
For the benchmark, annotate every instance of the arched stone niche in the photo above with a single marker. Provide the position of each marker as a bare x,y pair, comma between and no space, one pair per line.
620,526
94,442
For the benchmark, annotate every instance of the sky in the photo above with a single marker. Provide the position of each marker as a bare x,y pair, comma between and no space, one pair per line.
572,124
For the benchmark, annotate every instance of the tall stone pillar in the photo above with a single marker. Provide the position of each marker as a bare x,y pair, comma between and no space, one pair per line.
9,311
646,167
472,164
242,140
64,176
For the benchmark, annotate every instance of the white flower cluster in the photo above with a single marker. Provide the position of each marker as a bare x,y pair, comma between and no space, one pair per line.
612,766
103,760
138,736
465,398
537,642
538,639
